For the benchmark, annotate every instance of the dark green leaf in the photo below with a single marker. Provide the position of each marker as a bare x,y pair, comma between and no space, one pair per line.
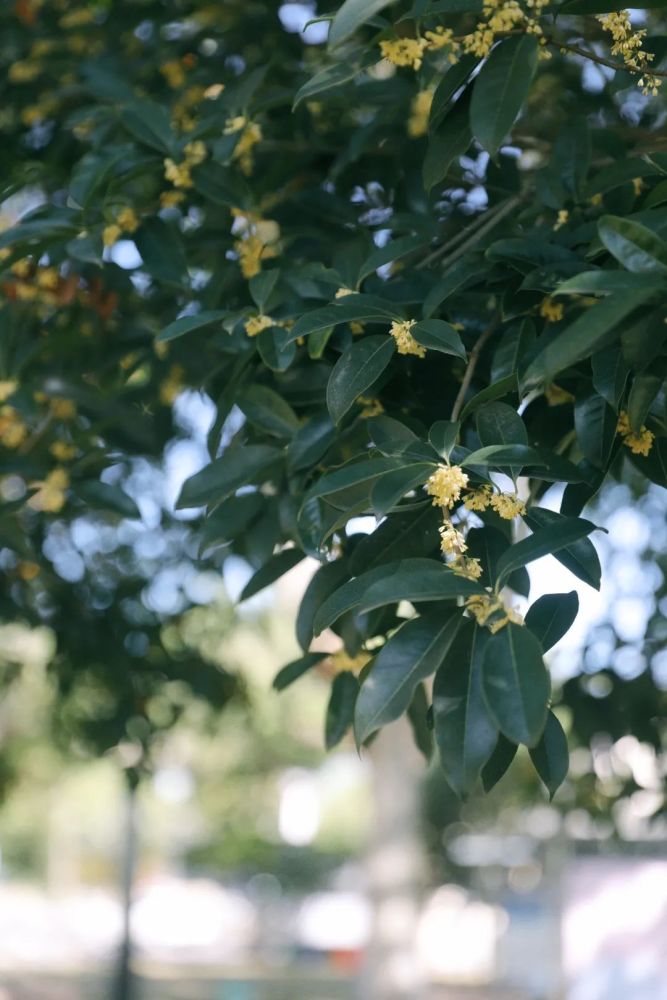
297,668
409,656
563,532
416,580
498,762
436,335
645,387
340,710
350,309
448,141
186,324
237,467
550,617
550,757
271,571
324,582
442,436
464,730
580,557
595,424
633,245
162,253
500,89
267,410
610,373
355,371
502,387
516,684
352,14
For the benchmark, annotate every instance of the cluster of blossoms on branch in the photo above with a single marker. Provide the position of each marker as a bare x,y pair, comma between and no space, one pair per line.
639,444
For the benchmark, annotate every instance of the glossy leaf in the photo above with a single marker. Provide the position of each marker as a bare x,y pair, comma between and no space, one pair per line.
500,89
551,757
340,710
550,617
237,467
544,541
516,684
355,371
409,656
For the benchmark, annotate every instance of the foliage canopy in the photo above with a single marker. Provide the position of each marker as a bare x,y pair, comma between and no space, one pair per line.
420,270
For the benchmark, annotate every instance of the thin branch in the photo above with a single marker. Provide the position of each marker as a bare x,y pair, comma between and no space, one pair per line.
471,241
472,364
602,60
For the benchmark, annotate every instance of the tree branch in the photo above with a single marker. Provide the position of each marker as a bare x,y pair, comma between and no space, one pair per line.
472,364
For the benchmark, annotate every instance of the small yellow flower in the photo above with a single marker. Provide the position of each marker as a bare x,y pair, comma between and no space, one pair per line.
195,152
420,111
177,173
468,567
550,310
63,451
638,185
371,407
596,199
173,73
508,505
562,220
445,485
51,495
555,395
63,409
343,292
405,342
169,199
213,92
452,542
13,431
172,386
111,234
479,499
403,51
490,610
256,324
639,444
28,570
7,389
341,662
236,124
127,220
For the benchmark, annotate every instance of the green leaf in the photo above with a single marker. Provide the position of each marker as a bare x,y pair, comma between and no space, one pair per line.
276,348
186,324
516,684
90,173
467,271
500,89
436,335
348,596
364,472
329,78
390,252
637,248
502,387
579,557
595,423
550,617
607,282
464,730
507,360
271,571
498,762
149,122
587,334
418,717
352,15
228,520
238,467
543,542
162,251
643,342
653,465
500,456
416,580
340,710
350,309
442,436
550,757
399,536
264,408
455,77
297,668
324,582
106,496
261,286
409,656
355,371
388,490
645,387
610,373
572,155
448,141
310,442
499,423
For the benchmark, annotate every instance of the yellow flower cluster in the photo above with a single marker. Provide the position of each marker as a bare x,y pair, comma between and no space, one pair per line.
403,51
62,409
173,73
173,385
507,505
256,324
63,451
341,662
51,495
251,134
498,18
639,444
13,431
371,407
445,485
419,114
551,311
23,71
628,45
489,609
126,222
7,389
452,543
179,173
405,342
343,292
259,241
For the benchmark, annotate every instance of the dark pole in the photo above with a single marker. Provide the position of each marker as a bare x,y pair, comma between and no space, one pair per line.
123,985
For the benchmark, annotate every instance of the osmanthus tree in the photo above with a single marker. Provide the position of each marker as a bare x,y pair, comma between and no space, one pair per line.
417,257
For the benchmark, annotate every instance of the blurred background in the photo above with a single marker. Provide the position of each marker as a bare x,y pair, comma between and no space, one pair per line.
157,791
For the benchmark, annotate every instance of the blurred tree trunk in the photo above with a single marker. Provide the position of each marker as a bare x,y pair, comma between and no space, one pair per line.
123,985
396,869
